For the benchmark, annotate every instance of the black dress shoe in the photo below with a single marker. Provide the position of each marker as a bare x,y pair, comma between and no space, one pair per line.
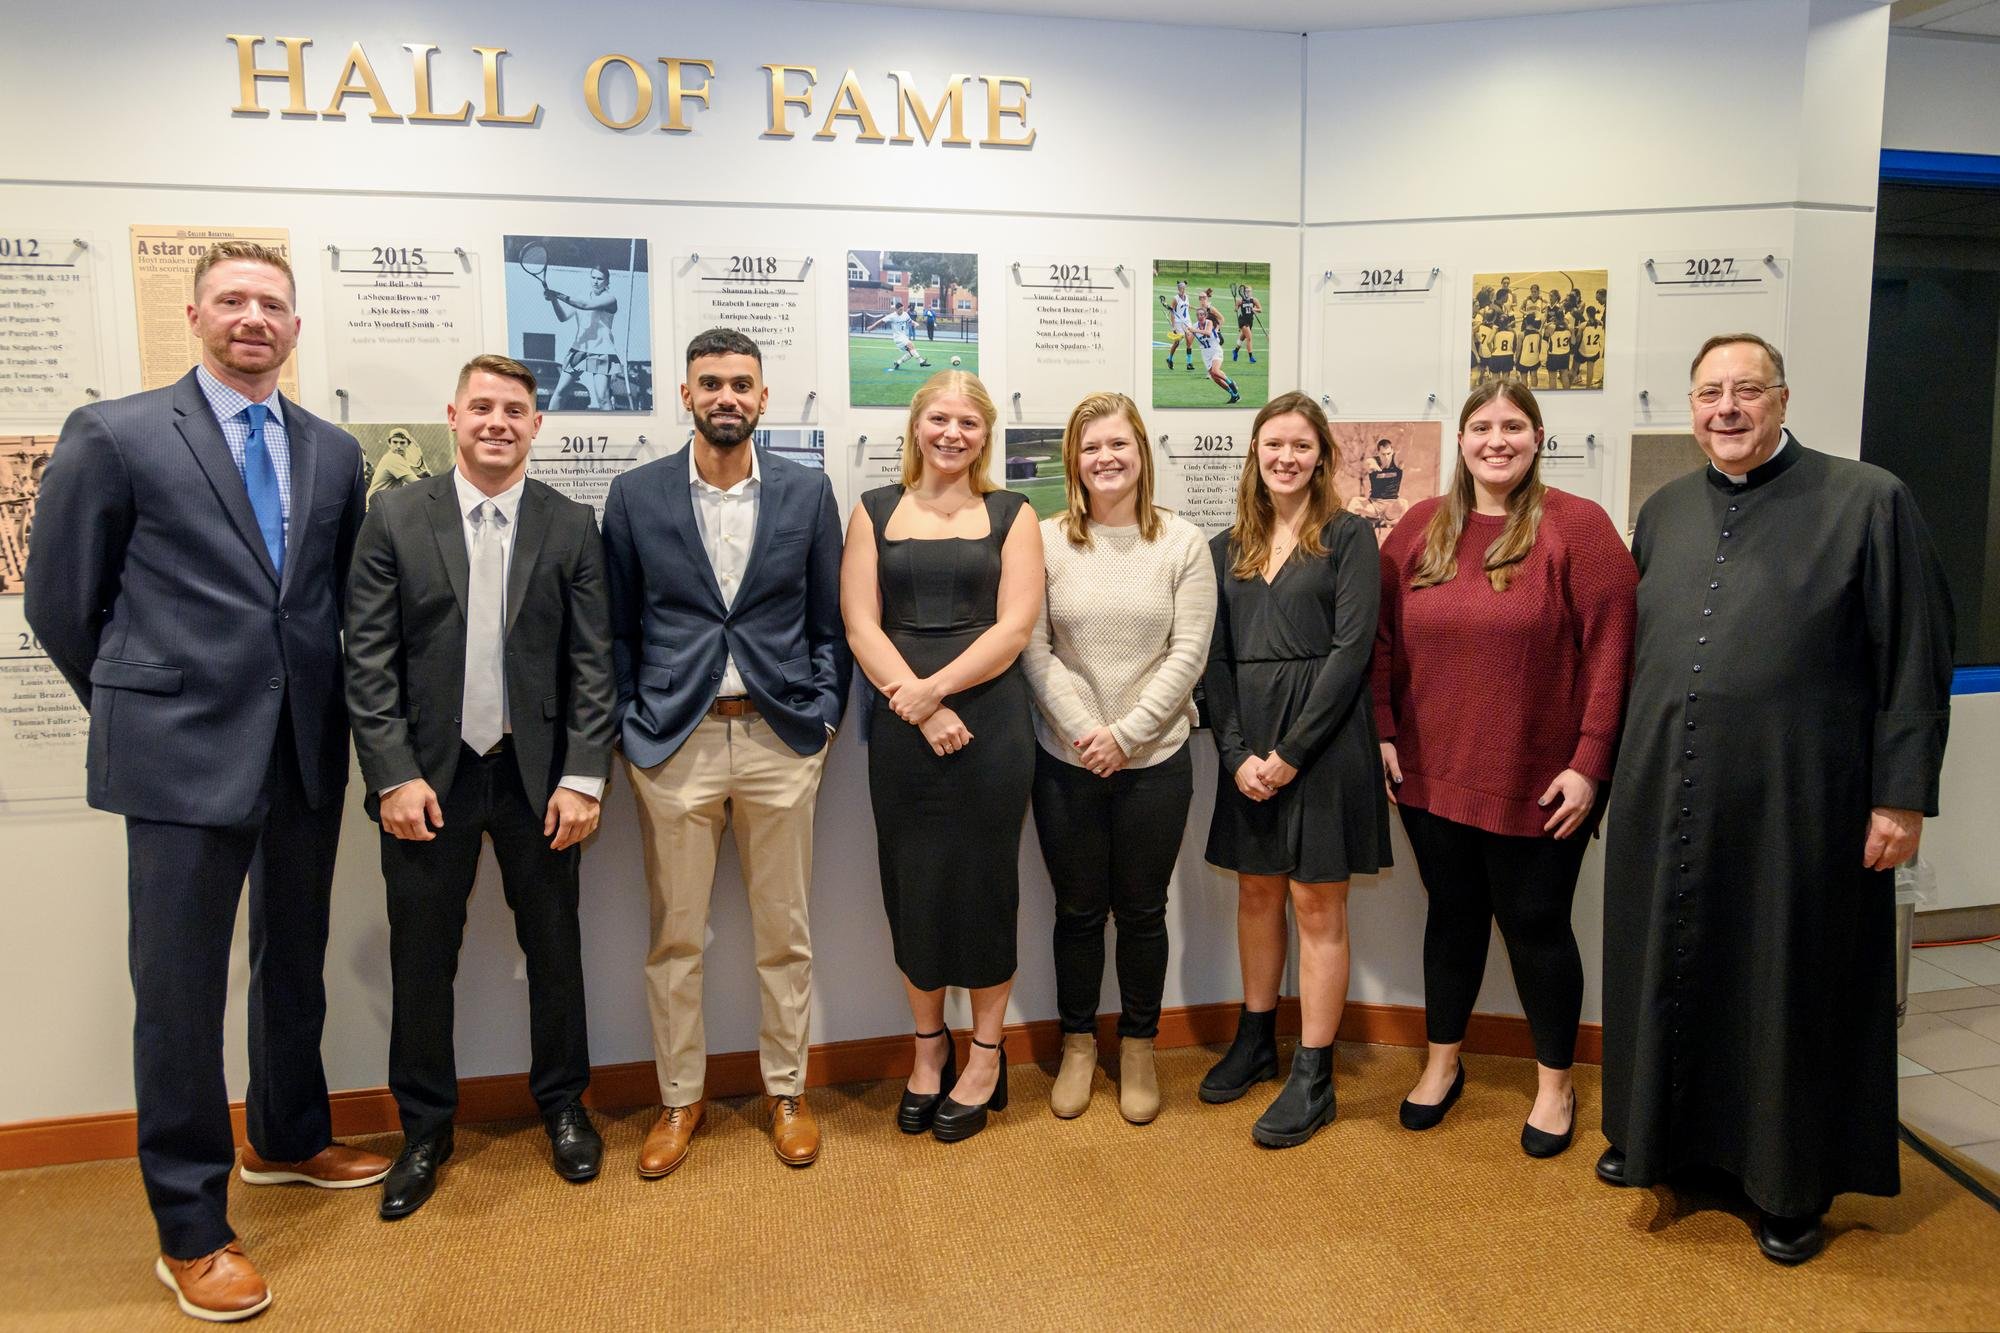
576,1147
955,1120
1252,1057
1541,1143
1611,1165
917,1109
1790,1240
1304,1104
412,1178
1429,1115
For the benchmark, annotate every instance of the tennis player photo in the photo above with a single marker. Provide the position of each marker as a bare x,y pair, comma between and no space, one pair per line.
397,453
579,314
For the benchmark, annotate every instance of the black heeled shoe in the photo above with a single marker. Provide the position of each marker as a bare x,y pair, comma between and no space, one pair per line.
955,1120
917,1109
1541,1143
1421,1115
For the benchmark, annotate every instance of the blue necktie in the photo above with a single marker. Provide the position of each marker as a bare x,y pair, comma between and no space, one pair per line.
260,478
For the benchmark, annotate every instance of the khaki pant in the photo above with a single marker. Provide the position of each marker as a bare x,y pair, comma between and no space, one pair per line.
729,770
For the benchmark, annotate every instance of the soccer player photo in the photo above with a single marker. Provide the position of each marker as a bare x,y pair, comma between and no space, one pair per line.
1545,329
398,453
579,315
1385,467
1034,467
909,314
1211,335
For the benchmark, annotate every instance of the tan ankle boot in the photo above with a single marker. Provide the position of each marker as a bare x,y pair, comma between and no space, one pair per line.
1138,1083
1071,1092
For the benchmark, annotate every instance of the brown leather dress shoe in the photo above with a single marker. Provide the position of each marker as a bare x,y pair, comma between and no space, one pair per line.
667,1142
220,1287
334,1167
794,1132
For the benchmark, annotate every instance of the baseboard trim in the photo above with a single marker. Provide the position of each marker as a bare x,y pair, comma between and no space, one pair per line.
91,1138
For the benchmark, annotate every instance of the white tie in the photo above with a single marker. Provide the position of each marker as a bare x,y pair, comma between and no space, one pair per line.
485,602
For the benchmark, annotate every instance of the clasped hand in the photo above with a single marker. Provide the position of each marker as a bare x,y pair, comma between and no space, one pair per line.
945,732
1260,779
914,700
1099,751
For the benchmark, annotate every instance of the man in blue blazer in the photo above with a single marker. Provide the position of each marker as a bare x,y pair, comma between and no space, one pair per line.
723,564
186,577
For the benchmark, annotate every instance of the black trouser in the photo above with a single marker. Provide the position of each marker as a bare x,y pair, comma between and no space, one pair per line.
184,883
428,885
1110,845
1474,877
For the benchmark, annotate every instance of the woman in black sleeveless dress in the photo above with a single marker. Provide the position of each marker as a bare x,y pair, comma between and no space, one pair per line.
941,582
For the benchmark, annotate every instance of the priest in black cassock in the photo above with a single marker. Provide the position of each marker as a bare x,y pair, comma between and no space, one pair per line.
1792,681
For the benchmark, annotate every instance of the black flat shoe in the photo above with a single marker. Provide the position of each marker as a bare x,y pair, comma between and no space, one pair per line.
1429,1115
1304,1104
1251,1059
1611,1165
955,1120
917,1109
413,1177
1790,1240
576,1148
1541,1143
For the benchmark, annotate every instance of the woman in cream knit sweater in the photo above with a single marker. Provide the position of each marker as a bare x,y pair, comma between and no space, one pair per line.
1113,661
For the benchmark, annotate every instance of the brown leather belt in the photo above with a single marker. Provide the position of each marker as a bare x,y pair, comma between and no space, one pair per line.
735,706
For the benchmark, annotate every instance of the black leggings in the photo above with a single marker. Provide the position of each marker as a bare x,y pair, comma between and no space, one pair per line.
1110,846
1473,877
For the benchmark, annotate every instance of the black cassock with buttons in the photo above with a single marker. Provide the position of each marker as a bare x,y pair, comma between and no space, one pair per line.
1792,671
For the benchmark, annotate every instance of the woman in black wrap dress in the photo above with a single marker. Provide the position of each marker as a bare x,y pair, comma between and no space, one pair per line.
1299,805
940,584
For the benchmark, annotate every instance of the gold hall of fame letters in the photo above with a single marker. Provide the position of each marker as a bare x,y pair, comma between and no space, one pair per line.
621,93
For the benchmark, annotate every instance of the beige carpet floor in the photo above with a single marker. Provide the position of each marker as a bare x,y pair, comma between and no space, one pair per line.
1035,1224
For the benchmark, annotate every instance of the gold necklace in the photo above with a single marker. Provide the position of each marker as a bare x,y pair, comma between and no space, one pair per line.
946,514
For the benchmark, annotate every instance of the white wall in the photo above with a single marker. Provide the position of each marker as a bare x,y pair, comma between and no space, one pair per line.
1944,94
1393,128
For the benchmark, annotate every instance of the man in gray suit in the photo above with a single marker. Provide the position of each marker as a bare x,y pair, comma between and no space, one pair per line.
479,681
190,546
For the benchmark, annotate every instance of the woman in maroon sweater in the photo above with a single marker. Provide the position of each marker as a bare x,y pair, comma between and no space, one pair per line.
1502,654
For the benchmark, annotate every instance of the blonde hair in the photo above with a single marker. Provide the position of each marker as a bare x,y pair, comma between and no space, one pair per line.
1076,515
1257,515
1439,561
966,385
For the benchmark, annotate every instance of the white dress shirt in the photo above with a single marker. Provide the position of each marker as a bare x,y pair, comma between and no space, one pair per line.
727,520
508,502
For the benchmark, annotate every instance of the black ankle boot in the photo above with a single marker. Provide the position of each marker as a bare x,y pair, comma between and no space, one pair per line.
1304,1103
1252,1057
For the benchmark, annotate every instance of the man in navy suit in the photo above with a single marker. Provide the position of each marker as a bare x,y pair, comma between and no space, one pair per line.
723,564
186,578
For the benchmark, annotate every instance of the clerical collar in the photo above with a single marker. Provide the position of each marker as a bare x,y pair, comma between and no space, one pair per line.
1779,463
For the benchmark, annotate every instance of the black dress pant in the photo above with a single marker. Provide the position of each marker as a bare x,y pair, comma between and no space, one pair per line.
184,883
428,886
1110,846
1474,877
